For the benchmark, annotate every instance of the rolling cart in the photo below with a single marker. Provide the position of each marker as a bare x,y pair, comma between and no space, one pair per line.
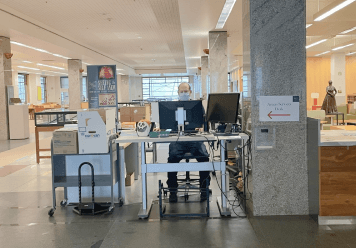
61,179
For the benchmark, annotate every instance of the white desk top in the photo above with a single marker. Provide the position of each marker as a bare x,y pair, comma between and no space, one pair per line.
199,137
337,138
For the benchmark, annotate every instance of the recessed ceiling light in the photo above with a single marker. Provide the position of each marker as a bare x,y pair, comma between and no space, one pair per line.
308,25
350,53
36,69
25,61
343,46
55,67
334,7
38,49
86,63
60,56
229,4
316,43
348,31
119,69
322,53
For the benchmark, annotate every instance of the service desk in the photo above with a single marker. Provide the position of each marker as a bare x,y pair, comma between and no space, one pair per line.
337,177
180,167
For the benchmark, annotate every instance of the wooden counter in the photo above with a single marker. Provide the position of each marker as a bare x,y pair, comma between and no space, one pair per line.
337,173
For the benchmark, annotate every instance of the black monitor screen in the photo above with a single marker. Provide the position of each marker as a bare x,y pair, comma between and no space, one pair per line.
167,115
223,107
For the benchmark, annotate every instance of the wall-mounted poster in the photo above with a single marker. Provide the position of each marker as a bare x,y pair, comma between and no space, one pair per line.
102,83
102,86
39,93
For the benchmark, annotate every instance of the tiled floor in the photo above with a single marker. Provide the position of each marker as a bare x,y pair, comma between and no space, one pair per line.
25,198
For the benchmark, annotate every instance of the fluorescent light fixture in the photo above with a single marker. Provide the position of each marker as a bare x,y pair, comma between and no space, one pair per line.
229,4
341,47
38,49
119,69
348,31
60,56
350,53
193,57
308,25
25,61
316,43
120,73
322,53
55,67
86,63
35,69
331,9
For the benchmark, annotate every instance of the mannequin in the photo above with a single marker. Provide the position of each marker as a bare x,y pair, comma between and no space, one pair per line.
329,104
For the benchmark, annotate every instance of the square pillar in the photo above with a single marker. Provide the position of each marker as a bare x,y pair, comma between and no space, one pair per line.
75,83
218,62
5,80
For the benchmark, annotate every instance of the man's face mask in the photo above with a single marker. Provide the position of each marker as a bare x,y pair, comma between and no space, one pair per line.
184,96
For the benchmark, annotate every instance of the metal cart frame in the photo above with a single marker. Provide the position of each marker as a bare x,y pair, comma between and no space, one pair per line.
60,179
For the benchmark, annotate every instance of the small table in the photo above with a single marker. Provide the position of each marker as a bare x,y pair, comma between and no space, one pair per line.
331,115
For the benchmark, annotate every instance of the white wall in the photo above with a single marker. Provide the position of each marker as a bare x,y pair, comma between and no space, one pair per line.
123,91
15,80
135,88
34,81
53,89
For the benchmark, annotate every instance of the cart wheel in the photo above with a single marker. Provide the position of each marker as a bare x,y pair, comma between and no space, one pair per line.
63,203
51,212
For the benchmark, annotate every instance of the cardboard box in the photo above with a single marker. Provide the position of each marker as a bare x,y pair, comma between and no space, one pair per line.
65,141
125,118
128,125
129,179
94,130
125,111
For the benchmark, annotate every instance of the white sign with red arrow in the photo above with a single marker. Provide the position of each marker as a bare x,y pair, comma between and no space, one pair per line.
279,108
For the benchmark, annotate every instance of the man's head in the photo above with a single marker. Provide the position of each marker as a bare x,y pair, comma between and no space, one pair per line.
184,91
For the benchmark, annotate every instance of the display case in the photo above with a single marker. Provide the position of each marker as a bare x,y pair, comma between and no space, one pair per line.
55,117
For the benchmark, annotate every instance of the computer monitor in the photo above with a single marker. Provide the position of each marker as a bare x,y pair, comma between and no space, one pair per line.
193,110
223,107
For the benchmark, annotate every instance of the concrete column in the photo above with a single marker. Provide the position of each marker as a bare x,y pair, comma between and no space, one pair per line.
204,61
5,80
218,62
338,64
75,82
197,87
278,68
124,89
34,81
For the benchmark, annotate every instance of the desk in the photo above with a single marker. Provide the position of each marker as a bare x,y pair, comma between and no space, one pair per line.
192,166
331,115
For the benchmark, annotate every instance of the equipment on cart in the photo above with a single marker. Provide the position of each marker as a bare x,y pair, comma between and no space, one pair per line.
88,208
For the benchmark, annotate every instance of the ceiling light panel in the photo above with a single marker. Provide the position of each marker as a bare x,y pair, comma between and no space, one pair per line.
25,67
225,13
351,53
316,43
344,45
55,67
348,31
308,25
331,9
322,53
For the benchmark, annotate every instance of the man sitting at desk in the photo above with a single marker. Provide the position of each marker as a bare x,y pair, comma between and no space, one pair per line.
178,149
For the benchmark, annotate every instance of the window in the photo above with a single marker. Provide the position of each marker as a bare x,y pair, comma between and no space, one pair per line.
162,88
43,89
84,89
64,91
22,87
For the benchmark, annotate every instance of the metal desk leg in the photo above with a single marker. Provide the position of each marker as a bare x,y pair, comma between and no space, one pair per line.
145,210
122,173
222,201
154,149
137,160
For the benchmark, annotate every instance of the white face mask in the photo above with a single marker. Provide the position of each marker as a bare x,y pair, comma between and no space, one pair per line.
184,96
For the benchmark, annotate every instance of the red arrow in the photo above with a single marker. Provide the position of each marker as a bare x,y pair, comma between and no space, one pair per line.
269,114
